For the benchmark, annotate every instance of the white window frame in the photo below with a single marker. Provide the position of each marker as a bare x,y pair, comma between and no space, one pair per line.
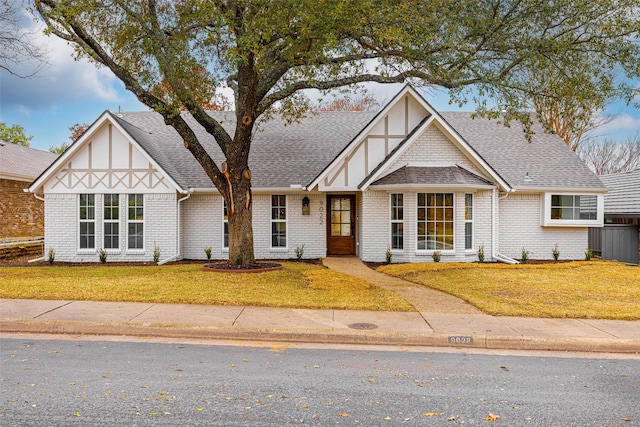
105,221
136,221
468,219
393,221
272,221
417,221
225,222
87,221
546,208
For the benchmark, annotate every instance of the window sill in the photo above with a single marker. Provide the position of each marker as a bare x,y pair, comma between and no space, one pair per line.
430,253
571,223
279,250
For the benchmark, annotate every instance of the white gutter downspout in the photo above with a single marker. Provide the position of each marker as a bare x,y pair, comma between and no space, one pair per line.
495,254
179,240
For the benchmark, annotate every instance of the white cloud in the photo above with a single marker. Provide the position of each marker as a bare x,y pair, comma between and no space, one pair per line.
623,125
64,79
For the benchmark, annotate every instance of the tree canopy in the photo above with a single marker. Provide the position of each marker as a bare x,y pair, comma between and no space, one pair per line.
174,55
14,134
76,132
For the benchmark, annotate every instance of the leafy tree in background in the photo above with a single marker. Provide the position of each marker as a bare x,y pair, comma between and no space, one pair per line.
268,52
573,116
362,103
14,134
76,132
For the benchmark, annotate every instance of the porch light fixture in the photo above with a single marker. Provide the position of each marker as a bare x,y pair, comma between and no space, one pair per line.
306,208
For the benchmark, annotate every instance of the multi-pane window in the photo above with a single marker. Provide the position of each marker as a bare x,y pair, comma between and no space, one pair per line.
341,216
397,221
468,221
225,225
435,221
110,221
135,222
278,221
574,207
87,218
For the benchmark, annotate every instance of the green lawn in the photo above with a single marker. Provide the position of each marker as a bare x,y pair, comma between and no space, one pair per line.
297,285
591,290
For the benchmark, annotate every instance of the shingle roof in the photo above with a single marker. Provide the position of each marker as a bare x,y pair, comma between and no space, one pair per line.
624,193
23,163
295,154
549,162
281,154
447,175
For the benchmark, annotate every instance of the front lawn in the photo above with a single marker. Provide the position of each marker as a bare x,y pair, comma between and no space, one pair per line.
297,285
590,290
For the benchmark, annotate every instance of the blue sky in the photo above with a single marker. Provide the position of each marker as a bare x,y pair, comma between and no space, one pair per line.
67,92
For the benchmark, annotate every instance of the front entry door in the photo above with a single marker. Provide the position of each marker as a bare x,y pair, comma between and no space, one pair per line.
341,225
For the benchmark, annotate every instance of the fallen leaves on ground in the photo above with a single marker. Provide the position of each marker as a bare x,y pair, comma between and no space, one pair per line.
491,417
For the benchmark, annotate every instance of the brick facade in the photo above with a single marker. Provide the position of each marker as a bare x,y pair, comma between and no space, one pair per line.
61,229
520,228
202,227
21,214
376,228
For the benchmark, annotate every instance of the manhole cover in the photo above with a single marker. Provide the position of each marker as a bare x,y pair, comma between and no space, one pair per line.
362,326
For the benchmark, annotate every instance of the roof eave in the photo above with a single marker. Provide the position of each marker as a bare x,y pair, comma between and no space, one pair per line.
427,186
532,189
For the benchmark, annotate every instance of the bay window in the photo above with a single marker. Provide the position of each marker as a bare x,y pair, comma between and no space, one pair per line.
435,221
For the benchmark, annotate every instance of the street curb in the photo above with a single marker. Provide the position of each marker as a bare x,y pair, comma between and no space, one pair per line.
319,336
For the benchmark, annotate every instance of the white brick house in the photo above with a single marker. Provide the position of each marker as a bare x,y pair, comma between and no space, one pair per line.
407,178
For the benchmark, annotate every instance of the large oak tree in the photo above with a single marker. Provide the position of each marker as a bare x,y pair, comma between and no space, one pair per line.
174,54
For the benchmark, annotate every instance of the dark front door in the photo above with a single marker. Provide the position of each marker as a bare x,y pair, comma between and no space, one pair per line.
341,225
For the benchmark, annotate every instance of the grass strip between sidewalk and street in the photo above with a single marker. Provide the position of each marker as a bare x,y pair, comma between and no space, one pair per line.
587,290
297,285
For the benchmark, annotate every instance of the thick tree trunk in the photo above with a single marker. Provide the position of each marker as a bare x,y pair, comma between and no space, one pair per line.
238,197
240,223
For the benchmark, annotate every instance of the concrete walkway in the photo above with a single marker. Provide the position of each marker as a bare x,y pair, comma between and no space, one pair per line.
442,320
425,300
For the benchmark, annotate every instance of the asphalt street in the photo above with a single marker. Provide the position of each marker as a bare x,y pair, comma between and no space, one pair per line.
81,382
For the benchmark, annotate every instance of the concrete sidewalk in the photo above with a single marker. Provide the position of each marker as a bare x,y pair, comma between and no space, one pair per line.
318,326
441,320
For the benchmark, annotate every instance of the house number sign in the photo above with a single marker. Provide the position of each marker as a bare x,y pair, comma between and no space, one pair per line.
460,340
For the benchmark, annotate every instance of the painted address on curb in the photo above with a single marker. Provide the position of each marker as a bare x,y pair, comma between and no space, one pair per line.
460,340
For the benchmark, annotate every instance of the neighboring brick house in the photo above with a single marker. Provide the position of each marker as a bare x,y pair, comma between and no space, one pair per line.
406,178
21,214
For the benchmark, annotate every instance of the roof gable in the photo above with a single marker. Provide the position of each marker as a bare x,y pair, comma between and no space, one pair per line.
433,120
386,131
106,158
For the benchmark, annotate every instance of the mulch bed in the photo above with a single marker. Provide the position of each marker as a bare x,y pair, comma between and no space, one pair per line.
258,267
221,265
